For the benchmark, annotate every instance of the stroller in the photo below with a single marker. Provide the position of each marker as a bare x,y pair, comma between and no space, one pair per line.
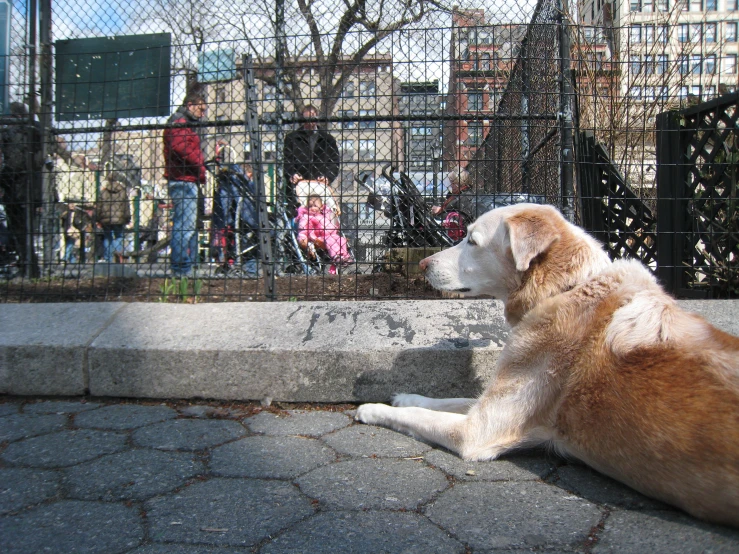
235,228
234,222
411,221
334,253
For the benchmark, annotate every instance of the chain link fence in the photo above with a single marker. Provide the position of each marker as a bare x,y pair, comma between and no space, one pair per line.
411,102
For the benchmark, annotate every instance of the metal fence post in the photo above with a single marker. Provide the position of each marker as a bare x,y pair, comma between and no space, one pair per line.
566,115
265,230
47,139
670,201
280,48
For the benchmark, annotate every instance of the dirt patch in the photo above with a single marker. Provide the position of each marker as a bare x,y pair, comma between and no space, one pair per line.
380,286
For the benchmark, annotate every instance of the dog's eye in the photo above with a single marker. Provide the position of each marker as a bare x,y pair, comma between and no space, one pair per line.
471,240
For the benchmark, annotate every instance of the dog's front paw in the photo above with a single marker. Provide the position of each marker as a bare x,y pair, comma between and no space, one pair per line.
409,400
371,414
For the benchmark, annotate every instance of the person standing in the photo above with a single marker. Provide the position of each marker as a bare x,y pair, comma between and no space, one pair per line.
113,213
184,171
20,180
310,154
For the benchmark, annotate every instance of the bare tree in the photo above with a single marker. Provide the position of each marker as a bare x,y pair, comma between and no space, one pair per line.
624,83
328,40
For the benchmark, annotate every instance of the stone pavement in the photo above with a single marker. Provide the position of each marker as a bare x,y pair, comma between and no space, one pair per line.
98,475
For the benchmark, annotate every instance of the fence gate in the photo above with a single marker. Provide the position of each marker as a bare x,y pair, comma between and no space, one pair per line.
697,225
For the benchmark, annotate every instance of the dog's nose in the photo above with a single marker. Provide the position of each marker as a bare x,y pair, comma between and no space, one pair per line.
423,264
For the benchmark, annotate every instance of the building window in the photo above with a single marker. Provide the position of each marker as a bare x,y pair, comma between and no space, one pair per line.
663,5
710,64
711,5
484,37
367,149
347,150
710,92
635,65
367,89
695,5
731,5
683,92
474,133
695,64
269,122
710,32
730,31
683,64
221,129
635,92
348,91
663,34
730,64
695,90
646,5
474,101
486,62
346,119
648,65
422,131
268,92
649,34
662,93
635,5
662,64
368,124
635,36
269,147
683,32
695,32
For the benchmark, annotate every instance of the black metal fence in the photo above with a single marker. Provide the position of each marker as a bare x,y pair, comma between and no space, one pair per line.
410,93
698,156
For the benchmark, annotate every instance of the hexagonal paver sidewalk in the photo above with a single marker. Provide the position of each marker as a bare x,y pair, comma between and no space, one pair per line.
153,478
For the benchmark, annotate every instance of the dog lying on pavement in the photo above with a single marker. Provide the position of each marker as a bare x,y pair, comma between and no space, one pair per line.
601,364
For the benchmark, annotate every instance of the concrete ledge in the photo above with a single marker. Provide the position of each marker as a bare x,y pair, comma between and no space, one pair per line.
290,351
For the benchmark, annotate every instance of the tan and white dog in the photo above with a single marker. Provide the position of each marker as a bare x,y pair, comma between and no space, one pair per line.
601,364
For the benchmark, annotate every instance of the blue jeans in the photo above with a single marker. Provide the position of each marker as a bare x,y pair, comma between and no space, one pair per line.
70,253
112,241
184,244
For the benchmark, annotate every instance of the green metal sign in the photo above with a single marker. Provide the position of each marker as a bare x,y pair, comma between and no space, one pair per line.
113,77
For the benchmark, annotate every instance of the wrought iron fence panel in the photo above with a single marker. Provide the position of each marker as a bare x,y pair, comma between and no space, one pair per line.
703,232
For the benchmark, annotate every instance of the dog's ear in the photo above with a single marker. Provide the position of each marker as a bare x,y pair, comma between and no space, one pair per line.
530,234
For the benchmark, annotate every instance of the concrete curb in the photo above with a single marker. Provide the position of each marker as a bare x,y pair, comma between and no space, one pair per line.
289,351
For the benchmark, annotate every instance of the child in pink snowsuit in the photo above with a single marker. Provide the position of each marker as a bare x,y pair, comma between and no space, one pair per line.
317,225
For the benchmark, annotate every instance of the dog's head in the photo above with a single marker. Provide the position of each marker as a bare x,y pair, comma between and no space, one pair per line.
522,249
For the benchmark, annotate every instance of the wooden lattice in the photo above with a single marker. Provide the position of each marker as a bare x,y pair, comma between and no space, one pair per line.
711,245
611,211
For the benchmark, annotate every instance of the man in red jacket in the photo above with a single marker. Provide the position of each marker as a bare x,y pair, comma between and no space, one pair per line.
184,169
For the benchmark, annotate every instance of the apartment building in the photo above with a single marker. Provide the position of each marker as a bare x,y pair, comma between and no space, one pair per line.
669,51
481,59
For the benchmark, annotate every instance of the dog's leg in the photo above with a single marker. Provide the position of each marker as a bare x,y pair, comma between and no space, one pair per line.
437,427
505,417
454,405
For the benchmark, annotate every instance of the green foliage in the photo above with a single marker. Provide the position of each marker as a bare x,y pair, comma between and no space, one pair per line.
178,290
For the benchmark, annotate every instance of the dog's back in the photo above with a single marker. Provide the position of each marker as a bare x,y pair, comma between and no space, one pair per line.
652,398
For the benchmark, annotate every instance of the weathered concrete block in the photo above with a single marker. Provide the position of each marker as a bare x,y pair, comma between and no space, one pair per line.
43,346
298,351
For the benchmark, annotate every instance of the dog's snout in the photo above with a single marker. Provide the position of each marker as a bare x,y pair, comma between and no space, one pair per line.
423,264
